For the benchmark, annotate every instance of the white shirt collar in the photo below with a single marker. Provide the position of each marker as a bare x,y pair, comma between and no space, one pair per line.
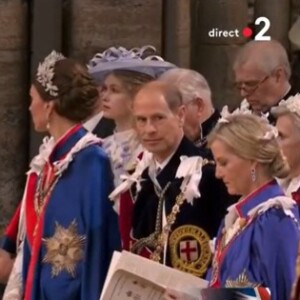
164,163
93,121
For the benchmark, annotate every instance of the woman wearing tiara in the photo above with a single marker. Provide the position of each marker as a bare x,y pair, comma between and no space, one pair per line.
287,114
67,227
257,243
123,72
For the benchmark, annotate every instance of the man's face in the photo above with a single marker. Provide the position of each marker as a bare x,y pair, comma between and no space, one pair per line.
259,88
159,128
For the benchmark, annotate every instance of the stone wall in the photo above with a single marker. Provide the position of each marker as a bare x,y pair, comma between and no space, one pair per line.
13,105
92,25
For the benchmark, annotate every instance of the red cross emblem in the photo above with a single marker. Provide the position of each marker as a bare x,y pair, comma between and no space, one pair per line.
189,250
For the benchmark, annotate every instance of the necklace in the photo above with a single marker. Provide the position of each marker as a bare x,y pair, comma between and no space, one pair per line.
42,192
152,239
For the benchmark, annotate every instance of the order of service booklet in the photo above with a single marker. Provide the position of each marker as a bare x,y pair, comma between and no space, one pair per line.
132,277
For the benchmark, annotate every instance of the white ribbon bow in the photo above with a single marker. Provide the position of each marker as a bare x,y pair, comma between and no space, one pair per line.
190,169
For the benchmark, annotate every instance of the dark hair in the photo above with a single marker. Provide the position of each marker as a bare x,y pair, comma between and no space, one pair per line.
133,81
77,93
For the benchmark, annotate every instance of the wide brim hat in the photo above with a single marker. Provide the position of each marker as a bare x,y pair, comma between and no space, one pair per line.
142,60
294,34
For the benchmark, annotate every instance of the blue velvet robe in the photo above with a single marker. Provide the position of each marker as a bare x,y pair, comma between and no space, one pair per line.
68,256
263,252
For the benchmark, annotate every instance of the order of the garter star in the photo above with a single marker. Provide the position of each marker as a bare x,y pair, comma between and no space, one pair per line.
64,249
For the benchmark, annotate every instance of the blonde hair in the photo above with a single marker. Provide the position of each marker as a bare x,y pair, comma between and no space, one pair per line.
245,135
283,110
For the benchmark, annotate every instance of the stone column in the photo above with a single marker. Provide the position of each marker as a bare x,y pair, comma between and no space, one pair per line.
13,105
92,25
278,12
46,35
177,32
212,53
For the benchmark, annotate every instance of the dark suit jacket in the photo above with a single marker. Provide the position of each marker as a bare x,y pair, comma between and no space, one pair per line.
202,218
104,128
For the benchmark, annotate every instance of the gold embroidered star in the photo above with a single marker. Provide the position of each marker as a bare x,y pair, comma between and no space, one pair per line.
64,249
241,282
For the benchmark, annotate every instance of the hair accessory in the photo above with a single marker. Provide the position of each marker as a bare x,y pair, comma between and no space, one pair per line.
271,133
45,73
225,114
143,60
292,104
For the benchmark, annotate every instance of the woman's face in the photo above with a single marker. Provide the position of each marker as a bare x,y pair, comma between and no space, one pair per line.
289,140
116,100
38,110
233,170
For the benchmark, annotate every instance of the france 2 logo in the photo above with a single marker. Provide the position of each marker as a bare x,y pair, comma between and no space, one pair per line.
260,36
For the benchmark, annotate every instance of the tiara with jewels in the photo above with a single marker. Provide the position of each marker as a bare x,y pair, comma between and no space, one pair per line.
271,132
45,72
292,104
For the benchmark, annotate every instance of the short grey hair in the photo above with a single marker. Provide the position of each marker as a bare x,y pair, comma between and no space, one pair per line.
190,83
268,55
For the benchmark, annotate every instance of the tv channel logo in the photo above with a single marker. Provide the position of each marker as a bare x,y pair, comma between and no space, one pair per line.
247,32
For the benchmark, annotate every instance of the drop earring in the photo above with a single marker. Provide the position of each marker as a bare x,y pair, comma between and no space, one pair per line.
48,121
253,175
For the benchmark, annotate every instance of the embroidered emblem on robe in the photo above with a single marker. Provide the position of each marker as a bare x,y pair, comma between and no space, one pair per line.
64,250
241,281
190,250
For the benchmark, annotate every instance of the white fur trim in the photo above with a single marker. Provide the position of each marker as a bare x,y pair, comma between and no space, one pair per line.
40,160
284,202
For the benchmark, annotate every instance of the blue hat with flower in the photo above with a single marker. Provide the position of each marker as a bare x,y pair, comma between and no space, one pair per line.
141,60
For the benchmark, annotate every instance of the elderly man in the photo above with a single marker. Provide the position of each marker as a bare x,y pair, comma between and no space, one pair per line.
262,72
200,114
177,203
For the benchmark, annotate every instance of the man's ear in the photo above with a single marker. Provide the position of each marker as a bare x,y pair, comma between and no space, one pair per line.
181,115
279,73
199,106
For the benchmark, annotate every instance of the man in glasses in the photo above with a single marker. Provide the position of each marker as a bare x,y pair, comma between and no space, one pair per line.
262,72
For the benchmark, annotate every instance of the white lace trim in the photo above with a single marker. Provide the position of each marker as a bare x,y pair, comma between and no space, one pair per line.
39,161
290,185
190,169
233,223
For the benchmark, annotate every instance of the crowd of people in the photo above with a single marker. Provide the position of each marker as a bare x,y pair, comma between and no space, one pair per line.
138,158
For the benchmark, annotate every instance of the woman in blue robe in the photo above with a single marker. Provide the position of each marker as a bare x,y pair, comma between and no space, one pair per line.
67,227
257,243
